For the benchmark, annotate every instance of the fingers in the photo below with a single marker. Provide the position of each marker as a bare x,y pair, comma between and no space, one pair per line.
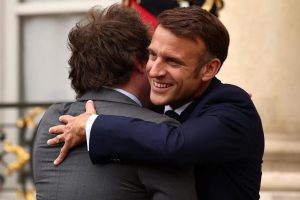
65,118
89,107
57,129
56,140
72,133
63,154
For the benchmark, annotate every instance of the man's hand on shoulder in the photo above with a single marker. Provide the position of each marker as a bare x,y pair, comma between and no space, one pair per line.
72,133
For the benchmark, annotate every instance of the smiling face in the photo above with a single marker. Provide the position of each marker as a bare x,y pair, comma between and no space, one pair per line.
172,67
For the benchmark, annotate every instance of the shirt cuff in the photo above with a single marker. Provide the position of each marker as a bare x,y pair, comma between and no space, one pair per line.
88,128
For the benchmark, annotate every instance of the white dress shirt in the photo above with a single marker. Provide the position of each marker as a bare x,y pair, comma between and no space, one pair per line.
177,110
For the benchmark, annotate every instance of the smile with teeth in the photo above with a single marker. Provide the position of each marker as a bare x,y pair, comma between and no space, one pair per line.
161,85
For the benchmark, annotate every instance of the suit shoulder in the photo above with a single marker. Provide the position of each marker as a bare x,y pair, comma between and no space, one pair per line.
233,90
58,108
55,110
227,96
228,93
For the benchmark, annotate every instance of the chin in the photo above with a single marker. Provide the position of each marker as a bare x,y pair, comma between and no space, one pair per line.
160,102
157,102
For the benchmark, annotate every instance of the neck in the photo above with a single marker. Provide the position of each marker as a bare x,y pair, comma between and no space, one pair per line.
138,85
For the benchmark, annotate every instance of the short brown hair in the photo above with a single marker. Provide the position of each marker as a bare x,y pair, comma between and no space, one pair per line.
106,46
194,22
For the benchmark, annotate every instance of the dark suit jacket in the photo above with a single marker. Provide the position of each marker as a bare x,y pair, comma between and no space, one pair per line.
221,133
78,179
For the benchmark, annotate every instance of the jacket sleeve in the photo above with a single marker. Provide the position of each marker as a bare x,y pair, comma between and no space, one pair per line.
223,133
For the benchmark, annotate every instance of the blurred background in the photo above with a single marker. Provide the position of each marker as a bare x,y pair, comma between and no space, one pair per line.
263,60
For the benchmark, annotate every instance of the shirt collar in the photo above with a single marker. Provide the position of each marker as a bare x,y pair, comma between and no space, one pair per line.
178,110
131,96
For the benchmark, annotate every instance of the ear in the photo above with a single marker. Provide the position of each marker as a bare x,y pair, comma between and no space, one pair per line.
210,69
141,68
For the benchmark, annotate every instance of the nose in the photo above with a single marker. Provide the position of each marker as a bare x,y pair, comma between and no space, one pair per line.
156,68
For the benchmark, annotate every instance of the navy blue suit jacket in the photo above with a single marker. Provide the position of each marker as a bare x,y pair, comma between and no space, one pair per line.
221,134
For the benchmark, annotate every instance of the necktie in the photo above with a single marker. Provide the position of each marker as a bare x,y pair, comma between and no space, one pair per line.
172,114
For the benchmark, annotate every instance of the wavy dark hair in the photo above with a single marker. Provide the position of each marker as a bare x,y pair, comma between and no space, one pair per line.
106,46
194,22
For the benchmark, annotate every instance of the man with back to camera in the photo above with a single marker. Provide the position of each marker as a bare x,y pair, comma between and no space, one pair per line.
221,132
107,65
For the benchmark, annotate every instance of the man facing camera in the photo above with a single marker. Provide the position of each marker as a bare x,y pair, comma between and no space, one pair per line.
107,65
220,132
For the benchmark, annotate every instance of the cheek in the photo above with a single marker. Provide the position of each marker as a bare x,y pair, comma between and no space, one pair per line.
179,79
185,85
148,66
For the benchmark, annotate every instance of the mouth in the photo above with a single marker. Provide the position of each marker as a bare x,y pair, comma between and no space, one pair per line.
160,87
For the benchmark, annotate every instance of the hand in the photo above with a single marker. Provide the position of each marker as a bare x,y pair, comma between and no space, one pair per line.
72,133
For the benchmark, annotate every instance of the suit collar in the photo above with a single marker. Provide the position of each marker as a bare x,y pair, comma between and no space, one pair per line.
128,94
107,94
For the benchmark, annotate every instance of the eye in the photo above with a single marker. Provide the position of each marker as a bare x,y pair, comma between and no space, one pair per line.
174,62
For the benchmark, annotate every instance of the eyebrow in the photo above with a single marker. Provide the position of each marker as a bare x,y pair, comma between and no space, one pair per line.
175,59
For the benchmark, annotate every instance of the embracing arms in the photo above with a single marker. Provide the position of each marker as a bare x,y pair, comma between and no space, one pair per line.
221,134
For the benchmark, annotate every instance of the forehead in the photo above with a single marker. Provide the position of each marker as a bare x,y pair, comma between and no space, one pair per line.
164,41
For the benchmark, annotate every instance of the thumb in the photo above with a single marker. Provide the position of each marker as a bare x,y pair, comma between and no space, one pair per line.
89,107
